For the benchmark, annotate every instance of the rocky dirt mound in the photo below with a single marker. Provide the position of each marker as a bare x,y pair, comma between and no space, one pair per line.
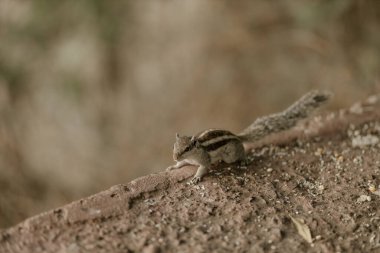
316,193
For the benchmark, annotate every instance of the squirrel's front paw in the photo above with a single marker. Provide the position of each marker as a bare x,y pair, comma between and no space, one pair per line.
195,180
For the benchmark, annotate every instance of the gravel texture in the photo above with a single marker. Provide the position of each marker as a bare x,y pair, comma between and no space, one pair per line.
325,181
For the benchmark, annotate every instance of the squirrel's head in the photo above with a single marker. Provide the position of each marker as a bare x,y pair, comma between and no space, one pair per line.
184,146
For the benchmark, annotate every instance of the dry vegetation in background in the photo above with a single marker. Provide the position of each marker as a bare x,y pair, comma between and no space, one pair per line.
92,92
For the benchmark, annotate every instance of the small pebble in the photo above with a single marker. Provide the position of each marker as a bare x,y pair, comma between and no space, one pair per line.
363,198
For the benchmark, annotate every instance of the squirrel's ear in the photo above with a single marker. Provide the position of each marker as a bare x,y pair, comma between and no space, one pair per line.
194,141
177,136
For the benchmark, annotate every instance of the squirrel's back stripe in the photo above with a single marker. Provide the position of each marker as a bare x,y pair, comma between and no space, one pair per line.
213,139
215,145
210,134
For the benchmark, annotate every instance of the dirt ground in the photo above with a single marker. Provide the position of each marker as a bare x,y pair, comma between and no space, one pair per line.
316,193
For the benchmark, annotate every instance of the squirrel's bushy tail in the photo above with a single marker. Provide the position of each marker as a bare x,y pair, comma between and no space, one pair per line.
286,119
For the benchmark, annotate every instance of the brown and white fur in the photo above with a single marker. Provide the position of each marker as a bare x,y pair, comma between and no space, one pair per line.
216,145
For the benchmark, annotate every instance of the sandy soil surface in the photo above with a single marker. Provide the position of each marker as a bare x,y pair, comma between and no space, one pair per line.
316,193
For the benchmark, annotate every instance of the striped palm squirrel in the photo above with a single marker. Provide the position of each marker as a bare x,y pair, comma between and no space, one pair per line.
215,145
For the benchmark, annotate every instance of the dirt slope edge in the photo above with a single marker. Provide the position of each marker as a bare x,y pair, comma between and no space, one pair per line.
323,181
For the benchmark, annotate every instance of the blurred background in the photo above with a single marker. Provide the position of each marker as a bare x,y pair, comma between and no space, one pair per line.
92,92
